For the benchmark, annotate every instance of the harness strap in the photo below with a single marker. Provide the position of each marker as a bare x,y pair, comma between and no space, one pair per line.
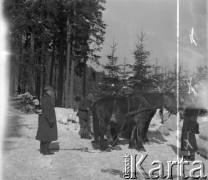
134,113
145,101
128,101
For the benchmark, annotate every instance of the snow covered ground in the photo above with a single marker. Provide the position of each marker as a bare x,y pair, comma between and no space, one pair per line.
75,158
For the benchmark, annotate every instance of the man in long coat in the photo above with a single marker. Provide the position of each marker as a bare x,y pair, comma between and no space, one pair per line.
84,108
189,129
47,125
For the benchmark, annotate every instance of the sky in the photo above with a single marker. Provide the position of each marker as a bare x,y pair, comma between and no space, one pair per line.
126,19
193,14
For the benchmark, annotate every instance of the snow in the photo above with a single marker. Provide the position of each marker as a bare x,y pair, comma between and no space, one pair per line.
75,158
63,115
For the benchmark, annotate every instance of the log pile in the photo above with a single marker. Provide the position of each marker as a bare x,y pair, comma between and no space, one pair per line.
26,103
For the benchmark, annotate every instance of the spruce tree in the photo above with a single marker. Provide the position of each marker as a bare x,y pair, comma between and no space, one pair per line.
110,84
141,80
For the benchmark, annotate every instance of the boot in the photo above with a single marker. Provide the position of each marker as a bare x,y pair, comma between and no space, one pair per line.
191,157
42,147
47,151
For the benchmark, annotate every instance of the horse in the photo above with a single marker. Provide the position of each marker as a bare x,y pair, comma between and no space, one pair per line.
114,111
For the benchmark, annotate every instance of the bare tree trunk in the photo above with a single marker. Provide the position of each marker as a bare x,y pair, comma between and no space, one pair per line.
52,64
47,70
42,75
12,66
31,71
84,78
12,75
60,73
38,81
71,93
68,54
55,82
17,55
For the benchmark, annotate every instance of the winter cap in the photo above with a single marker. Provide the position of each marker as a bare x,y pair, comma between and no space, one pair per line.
48,88
90,96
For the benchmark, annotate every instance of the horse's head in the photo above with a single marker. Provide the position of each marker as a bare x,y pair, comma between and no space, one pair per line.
170,102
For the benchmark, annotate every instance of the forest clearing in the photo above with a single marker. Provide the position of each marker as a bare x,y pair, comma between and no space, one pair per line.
63,56
75,158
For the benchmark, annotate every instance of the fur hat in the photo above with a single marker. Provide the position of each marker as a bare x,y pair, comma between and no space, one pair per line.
48,88
90,96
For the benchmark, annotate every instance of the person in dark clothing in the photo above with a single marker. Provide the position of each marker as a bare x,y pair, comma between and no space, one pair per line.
47,125
189,129
83,113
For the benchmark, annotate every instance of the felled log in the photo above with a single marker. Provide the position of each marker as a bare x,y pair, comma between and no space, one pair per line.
24,102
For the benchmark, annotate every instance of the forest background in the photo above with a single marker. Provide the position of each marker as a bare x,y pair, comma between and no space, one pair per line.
58,43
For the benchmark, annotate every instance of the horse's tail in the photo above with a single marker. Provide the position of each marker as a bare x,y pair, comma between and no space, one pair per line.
96,127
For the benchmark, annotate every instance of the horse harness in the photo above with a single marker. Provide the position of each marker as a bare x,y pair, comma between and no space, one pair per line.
132,113
139,109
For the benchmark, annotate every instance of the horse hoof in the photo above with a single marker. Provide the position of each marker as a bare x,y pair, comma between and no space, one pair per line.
108,150
105,148
117,148
130,147
147,142
141,149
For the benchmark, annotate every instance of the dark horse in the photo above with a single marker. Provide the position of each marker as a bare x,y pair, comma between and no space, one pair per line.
116,110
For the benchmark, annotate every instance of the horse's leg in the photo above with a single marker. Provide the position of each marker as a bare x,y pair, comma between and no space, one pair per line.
103,145
116,127
103,128
114,135
108,134
161,115
150,115
140,125
132,138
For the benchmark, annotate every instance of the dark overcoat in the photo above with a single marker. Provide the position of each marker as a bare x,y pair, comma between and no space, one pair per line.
190,127
45,133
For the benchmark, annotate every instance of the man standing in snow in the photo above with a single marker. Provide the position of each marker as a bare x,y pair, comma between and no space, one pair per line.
84,107
47,126
191,126
189,129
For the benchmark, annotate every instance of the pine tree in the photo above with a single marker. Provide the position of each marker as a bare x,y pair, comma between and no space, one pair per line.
110,84
141,81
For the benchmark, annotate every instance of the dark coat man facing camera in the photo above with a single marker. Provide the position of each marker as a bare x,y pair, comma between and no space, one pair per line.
47,126
189,129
